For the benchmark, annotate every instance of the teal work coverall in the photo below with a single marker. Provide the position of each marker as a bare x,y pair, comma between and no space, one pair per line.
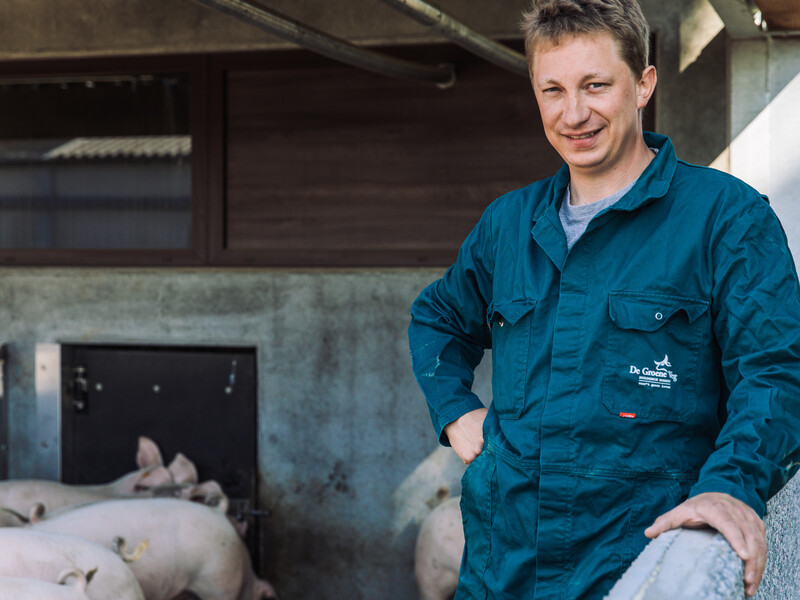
657,359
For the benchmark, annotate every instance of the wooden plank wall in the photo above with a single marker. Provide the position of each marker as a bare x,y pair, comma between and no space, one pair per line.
330,165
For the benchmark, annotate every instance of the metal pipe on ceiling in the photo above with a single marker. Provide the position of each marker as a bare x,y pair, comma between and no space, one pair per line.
457,32
332,47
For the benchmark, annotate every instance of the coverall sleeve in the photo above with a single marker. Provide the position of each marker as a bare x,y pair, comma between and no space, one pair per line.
756,322
448,332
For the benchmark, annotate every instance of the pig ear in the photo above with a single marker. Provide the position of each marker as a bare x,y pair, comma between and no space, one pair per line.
148,454
182,469
152,477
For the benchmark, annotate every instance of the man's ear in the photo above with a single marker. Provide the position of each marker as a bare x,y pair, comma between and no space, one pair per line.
646,86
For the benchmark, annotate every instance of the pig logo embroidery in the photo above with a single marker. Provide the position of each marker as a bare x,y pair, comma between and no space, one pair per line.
659,378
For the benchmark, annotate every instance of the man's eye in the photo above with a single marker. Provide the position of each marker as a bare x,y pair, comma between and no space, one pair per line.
596,85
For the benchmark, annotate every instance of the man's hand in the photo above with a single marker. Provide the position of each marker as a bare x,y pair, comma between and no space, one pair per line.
466,434
732,518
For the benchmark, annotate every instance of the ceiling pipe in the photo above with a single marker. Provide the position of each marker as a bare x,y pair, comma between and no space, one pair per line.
457,32
321,43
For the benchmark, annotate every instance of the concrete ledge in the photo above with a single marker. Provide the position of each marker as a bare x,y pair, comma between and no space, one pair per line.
683,564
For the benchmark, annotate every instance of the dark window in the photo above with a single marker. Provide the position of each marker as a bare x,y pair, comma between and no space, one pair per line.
96,166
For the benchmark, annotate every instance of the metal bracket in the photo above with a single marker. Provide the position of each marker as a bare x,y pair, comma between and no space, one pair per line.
239,509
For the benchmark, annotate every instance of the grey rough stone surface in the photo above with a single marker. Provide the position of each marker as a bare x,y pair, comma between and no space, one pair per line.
782,576
683,564
700,563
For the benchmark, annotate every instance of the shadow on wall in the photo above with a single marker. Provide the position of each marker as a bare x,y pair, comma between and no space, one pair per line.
702,116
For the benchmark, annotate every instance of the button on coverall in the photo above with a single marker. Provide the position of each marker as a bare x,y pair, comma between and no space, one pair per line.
657,359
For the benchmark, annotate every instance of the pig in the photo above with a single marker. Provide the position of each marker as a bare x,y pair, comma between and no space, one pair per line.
190,547
21,588
437,556
18,496
45,556
209,493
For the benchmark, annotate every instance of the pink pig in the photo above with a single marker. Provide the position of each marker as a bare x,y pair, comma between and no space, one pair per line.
190,547
20,495
437,557
45,556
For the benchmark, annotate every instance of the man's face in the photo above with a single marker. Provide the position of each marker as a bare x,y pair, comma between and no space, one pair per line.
589,100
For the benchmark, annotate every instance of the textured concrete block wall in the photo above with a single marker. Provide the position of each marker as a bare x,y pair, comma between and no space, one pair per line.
346,453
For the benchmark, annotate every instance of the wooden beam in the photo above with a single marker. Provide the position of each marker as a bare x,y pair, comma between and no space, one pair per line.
780,14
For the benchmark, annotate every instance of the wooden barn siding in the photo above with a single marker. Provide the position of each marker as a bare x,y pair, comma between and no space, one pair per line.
329,165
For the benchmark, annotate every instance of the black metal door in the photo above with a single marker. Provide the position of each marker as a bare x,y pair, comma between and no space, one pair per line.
195,400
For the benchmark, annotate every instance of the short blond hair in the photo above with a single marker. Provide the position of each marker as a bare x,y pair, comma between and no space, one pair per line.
551,20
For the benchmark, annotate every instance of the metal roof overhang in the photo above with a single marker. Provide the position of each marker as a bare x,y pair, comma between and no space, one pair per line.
344,51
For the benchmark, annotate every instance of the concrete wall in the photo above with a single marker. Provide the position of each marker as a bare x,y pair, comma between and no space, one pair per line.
764,122
691,103
343,431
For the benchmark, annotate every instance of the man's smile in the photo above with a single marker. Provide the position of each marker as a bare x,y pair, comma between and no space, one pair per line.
583,136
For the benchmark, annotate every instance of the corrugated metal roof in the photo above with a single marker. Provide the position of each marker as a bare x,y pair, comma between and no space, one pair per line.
132,147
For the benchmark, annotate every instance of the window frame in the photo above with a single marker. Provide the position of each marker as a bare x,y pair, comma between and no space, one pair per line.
196,66
207,126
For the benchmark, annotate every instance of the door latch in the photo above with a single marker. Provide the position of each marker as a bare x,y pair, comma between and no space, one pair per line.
80,389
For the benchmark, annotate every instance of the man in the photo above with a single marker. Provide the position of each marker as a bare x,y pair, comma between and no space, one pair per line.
644,322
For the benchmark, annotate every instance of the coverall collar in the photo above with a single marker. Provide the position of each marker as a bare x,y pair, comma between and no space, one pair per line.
653,183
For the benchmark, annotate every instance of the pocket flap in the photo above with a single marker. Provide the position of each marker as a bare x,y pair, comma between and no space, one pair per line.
648,312
511,311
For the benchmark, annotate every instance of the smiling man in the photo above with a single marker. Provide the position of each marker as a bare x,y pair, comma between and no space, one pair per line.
644,322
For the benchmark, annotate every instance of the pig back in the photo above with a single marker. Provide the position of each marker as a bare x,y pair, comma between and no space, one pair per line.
44,556
20,495
19,588
189,546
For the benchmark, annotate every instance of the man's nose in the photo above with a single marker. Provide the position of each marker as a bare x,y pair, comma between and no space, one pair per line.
576,110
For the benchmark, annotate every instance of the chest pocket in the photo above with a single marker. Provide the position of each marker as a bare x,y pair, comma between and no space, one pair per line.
653,352
511,338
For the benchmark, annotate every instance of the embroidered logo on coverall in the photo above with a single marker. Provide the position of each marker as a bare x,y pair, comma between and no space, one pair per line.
660,377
